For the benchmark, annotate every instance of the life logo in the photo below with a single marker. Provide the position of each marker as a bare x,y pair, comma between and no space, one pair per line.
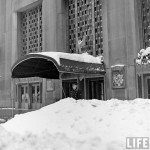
137,143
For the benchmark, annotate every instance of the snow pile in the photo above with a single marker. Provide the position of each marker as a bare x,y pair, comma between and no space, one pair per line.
143,56
84,57
83,124
118,65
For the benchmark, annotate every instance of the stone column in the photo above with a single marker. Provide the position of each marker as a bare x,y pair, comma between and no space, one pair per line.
49,25
122,44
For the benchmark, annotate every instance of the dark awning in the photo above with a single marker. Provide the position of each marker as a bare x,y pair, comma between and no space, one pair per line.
48,65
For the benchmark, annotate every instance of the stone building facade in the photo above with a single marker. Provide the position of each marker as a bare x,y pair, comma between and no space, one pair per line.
113,28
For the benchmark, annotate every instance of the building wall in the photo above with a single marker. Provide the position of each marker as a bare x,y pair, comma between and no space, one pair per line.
120,32
5,55
50,40
122,43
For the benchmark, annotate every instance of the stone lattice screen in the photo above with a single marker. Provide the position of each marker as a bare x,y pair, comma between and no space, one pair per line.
145,10
85,18
31,30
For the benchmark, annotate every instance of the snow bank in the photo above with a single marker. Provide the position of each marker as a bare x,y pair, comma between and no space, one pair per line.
83,124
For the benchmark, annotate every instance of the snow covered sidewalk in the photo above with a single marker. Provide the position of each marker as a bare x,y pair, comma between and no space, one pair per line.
78,125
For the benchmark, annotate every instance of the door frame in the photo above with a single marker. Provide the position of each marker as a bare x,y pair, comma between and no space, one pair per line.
70,80
85,77
146,87
96,78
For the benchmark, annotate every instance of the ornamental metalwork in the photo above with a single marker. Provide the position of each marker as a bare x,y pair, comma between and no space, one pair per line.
145,9
118,77
85,20
81,67
31,30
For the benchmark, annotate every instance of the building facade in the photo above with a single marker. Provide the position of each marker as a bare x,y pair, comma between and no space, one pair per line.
142,70
116,29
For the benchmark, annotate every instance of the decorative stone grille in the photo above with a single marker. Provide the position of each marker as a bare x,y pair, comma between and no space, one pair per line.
85,19
145,8
118,77
71,25
31,30
98,26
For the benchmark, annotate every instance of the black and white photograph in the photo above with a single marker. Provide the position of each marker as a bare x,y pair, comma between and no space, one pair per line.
74,74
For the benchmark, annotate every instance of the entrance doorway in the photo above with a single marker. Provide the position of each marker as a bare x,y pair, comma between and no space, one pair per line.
148,88
24,92
29,95
90,88
95,88
67,87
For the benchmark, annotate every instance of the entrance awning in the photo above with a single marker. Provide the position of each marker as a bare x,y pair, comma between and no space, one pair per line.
51,64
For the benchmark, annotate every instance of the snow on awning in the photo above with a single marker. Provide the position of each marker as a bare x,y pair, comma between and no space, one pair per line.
143,57
50,64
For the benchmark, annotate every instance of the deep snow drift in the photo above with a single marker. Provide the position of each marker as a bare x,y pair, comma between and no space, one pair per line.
78,125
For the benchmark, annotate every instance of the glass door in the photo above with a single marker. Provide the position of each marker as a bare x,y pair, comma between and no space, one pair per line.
95,88
36,97
25,99
67,87
148,88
